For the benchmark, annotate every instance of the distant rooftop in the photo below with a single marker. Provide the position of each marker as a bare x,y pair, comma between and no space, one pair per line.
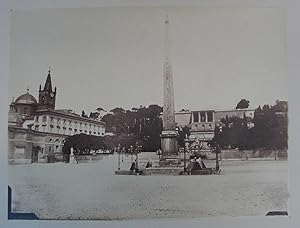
70,112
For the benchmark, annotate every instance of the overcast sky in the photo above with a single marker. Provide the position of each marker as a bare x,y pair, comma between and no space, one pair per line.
109,57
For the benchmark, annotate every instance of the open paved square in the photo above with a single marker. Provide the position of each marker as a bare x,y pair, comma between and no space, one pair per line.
91,190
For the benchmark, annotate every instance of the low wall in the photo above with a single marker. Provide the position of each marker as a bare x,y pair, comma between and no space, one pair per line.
163,171
90,157
84,158
19,161
252,154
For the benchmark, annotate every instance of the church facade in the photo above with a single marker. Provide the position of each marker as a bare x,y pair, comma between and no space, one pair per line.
36,130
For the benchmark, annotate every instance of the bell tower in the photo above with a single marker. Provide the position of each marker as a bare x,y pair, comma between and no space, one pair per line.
47,95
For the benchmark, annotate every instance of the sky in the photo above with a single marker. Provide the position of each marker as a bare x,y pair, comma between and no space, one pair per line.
114,57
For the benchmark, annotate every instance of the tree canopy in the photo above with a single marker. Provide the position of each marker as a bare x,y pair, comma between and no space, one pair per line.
83,144
144,123
243,103
269,131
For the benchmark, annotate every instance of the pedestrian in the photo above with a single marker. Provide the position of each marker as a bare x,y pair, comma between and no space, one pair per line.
149,164
132,168
136,168
189,167
196,165
199,161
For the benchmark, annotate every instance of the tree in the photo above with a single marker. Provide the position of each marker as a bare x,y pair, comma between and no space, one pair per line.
153,111
100,109
83,144
270,127
182,133
94,115
143,122
233,133
117,110
243,103
126,141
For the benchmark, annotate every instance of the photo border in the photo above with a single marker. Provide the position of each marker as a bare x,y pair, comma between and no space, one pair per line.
293,56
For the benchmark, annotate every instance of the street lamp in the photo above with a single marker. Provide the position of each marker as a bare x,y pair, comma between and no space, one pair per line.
131,152
136,154
122,152
184,154
218,150
118,151
217,158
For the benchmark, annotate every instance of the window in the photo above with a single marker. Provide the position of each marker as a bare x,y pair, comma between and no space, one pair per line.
25,111
19,151
44,118
37,118
196,117
202,117
210,116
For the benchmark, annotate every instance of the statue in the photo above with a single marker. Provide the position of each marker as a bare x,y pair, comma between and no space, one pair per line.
72,157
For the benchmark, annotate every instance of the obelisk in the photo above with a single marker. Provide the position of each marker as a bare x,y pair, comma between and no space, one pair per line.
169,145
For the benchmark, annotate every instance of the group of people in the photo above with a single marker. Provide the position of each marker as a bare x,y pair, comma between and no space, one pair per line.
196,163
134,166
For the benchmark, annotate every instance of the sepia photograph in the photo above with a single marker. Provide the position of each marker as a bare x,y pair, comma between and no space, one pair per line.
123,113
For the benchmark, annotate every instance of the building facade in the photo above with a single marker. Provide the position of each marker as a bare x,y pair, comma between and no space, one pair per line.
37,130
65,122
203,123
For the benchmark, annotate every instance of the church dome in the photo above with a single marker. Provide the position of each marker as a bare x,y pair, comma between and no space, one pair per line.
26,99
14,118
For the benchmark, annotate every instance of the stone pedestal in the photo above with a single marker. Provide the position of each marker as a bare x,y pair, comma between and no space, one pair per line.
169,148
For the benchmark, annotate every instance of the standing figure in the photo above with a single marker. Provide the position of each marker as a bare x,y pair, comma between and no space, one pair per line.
132,168
72,157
